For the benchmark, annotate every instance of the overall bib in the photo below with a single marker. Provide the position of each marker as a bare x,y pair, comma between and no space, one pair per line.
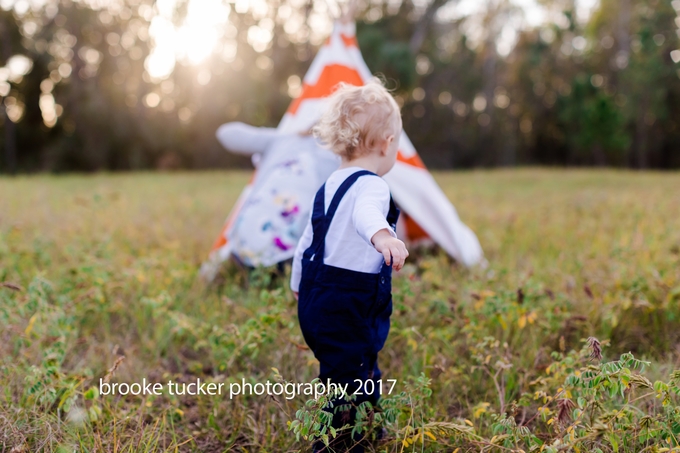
344,315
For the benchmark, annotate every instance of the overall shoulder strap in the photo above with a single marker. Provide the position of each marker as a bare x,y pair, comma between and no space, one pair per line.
393,214
320,221
342,190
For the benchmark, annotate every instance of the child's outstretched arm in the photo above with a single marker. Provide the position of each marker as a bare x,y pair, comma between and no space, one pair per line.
370,209
392,248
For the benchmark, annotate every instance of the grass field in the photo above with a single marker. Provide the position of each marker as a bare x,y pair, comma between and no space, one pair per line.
105,266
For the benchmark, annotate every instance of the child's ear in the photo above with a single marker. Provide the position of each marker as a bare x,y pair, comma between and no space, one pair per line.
386,145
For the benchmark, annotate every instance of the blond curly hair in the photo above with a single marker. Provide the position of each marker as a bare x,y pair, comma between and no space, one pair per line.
358,118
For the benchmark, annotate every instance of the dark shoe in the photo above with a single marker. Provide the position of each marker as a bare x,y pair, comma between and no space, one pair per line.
380,434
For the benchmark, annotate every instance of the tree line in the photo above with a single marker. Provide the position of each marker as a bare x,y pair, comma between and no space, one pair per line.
85,87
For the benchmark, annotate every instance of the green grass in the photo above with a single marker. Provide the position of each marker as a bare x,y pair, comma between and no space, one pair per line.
107,266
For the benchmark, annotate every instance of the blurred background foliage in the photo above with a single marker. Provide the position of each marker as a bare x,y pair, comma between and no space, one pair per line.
138,84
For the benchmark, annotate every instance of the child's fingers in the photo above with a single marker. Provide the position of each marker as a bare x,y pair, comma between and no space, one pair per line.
403,253
395,254
400,263
397,257
386,253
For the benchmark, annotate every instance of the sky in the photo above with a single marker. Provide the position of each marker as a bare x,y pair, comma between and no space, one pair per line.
531,14
534,13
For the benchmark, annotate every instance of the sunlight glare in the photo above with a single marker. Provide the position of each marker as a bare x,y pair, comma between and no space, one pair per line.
201,30
18,66
161,61
193,41
259,38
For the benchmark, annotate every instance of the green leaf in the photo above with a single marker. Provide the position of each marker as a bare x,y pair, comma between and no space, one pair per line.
614,442
92,393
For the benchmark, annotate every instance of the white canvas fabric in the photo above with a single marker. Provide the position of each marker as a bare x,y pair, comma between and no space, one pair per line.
413,187
272,215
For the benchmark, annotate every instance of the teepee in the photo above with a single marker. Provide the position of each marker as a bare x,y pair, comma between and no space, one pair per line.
428,212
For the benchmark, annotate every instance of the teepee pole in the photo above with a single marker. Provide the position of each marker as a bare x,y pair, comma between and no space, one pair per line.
349,14
334,9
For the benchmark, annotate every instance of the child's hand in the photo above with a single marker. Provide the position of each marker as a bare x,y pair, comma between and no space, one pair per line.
392,248
296,294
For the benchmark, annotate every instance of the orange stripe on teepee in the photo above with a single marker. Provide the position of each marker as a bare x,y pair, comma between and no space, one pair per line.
414,160
414,231
221,239
328,79
347,40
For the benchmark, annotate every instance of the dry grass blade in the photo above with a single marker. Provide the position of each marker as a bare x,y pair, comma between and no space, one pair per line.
11,286
113,369
449,428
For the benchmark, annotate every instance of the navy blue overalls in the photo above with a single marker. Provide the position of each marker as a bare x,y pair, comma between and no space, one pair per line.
344,315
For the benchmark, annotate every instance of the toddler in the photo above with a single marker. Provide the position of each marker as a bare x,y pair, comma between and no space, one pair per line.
343,263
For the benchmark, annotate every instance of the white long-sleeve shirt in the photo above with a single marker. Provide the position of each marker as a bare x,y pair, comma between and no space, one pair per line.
361,213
